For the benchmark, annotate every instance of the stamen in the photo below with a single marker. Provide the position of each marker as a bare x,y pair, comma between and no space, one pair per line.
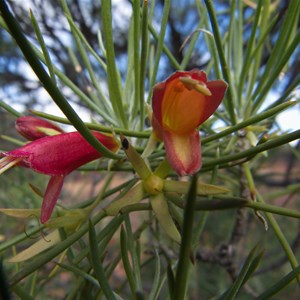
193,84
8,162
48,131
188,82
203,89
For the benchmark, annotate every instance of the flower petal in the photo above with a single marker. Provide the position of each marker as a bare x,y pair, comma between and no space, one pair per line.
51,195
183,152
161,210
217,89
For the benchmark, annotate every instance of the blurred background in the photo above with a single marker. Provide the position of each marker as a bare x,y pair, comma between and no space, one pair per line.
277,177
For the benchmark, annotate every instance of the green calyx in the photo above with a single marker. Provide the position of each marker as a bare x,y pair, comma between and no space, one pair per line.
153,184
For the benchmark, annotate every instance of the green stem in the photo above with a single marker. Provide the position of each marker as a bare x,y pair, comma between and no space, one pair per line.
10,109
277,230
276,142
255,119
93,126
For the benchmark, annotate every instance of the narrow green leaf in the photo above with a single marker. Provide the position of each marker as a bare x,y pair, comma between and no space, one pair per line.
4,290
249,50
53,252
182,272
182,187
160,43
76,31
171,279
103,237
43,46
235,202
79,272
245,273
13,241
51,88
136,55
238,41
257,57
156,279
247,154
93,126
212,204
268,113
126,262
101,44
280,47
275,226
97,265
143,64
169,54
81,42
160,208
22,293
113,77
192,39
254,265
133,196
41,245
88,101
270,79
21,212
134,256
281,238
293,213
210,41
279,285
231,103
10,109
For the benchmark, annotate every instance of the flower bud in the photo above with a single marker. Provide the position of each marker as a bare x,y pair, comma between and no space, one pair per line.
33,128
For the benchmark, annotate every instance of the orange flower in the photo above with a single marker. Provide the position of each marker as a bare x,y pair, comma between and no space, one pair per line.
180,105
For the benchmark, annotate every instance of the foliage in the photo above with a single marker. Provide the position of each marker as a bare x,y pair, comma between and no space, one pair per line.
231,244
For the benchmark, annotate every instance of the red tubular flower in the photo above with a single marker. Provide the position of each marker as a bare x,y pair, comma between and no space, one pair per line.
180,105
56,156
33,128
